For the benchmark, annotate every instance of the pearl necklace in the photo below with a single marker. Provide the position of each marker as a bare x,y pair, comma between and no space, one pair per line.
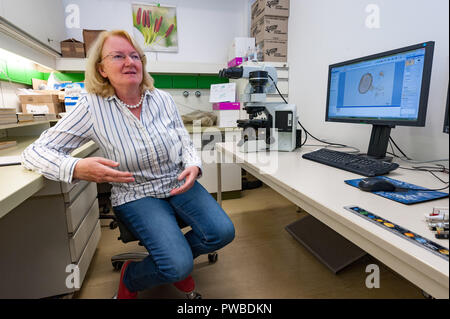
132,106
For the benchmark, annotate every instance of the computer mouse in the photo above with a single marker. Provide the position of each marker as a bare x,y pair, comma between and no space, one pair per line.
374,184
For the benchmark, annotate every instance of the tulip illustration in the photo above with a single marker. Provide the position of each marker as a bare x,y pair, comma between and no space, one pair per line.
153,32
169,30
158,25
138,16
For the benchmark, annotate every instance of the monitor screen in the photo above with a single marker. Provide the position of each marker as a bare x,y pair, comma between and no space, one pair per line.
389,88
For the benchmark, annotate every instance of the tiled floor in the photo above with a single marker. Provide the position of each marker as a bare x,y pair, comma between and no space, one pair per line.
264,261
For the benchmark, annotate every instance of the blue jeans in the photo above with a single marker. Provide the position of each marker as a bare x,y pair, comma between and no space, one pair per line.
153,222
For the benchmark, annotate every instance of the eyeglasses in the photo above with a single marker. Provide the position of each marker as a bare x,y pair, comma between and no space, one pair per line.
120,57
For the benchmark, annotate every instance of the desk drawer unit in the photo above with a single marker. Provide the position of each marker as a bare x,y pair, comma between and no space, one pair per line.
78,209
72,192
88,252
79,240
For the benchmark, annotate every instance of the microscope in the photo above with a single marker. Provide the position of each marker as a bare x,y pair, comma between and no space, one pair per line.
277,129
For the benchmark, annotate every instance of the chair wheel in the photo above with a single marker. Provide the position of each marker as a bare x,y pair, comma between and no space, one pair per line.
117,265
212,258
427,295
113,225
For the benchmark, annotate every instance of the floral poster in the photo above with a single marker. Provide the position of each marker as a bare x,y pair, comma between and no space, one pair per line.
155,27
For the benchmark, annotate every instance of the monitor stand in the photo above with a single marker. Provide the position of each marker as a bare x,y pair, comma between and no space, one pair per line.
378,144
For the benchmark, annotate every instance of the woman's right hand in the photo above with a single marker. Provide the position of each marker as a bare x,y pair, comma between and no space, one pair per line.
98,169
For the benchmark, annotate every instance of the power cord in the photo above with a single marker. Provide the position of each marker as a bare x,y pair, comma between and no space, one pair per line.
409,160
277,89
430,169
392,140
306,131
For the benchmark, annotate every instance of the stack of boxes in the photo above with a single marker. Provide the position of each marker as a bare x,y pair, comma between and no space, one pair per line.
269,27
72,48
41,102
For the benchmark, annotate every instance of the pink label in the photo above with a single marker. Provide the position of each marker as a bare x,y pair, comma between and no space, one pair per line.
227,106
235,62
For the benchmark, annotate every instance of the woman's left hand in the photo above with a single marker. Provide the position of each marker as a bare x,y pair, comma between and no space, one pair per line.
190,173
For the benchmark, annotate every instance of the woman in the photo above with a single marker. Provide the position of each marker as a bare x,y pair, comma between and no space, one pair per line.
150,162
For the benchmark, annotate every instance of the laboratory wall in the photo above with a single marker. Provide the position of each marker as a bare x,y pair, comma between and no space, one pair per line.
328,31
205,27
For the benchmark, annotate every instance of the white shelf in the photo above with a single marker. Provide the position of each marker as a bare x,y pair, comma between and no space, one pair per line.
8,126
277,65
79,65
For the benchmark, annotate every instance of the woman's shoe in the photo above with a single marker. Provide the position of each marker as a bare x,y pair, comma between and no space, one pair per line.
123,292
187,286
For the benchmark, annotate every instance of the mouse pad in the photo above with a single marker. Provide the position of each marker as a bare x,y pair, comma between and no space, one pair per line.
408,197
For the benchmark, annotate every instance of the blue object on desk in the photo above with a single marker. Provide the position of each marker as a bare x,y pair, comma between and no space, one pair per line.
408,197
435,248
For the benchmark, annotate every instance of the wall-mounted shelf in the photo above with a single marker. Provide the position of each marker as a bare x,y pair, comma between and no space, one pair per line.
79,65
9,126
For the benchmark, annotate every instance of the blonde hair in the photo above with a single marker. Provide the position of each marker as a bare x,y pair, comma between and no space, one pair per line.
95,83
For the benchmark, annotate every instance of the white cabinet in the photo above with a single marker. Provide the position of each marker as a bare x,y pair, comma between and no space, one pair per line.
231,173
50,236
42,19
47,238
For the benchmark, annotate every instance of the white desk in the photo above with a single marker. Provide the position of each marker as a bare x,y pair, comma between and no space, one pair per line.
17,184
46,223
320,190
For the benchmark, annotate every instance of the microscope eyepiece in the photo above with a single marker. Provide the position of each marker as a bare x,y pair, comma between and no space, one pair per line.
231,73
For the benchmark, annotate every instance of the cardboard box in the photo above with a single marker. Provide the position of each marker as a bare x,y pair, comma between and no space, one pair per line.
40,104
273,51
37,84
270,28
72,48
278,8
89,37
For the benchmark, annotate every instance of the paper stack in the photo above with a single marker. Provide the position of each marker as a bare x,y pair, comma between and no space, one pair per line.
24,118
7,144
44,117
8,115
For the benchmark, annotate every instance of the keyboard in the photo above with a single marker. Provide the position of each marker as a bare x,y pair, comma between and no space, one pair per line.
350,162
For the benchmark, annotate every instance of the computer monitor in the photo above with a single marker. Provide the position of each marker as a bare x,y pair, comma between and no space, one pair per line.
446,112
385,89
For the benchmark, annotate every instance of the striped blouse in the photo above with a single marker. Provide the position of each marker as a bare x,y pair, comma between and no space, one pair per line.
155,148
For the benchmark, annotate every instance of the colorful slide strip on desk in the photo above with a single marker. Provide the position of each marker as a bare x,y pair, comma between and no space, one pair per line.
400,231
